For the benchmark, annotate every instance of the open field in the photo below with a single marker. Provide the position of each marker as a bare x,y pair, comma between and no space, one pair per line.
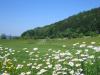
45,44
79,56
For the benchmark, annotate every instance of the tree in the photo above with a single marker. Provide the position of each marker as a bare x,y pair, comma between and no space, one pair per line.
3,36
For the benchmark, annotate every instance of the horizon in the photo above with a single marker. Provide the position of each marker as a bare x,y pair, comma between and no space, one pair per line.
22,15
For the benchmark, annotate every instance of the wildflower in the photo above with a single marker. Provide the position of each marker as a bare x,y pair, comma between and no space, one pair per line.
41,71
72,72
19,66
64,73
33,66
10,50
50,49
97,49
71,63
50,66
57,57
80,60
82,45
29,64
78,51
58,67
90,46
62,54
83,42
92,56
75,59
77,65
6,48
37,67
18,51
74,44
63,45
5,73
54,73
24,48
68,53
86,50
35,49
30,53
12,53
93,42
28,73
23,73
26,51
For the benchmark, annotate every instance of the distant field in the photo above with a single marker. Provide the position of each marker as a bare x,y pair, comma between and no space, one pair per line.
46,56
45,44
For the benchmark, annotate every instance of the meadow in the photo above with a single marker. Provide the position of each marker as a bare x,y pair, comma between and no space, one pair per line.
80,56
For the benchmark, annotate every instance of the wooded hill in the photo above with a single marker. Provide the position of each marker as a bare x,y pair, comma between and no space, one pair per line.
86,23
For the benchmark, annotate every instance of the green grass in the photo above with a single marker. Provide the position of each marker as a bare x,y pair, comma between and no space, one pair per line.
43,45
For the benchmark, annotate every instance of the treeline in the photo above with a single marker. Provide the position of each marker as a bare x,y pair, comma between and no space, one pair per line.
8,37
86,23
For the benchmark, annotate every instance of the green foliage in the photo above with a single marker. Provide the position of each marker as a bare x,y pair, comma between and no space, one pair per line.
3,36
83,24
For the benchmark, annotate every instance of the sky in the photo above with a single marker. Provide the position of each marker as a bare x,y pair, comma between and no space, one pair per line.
17,16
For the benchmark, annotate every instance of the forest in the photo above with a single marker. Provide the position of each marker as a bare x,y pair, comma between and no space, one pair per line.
86,23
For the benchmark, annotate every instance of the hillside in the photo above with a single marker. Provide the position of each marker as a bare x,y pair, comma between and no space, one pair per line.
86,23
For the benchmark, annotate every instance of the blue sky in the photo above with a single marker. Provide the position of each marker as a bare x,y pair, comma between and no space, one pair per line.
17,16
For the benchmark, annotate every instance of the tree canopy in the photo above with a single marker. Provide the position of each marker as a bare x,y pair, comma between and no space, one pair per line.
86,23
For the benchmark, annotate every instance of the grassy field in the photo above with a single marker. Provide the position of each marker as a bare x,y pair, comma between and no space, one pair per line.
45,44
50,56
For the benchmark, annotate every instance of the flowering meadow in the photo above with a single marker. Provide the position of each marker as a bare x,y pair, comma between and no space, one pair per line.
79,59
